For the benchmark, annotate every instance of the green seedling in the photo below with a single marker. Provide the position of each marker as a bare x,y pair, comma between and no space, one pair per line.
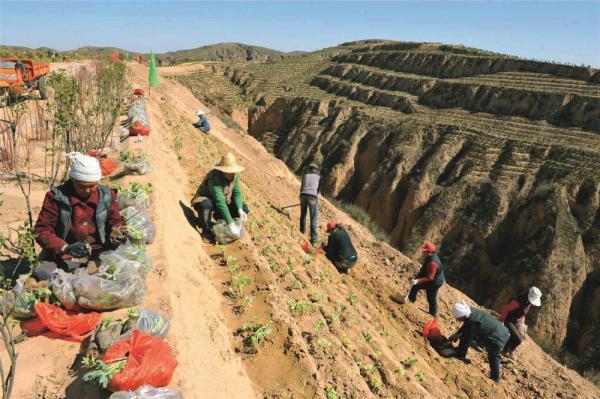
323,277
410,362
259,336
125,156
103,372
374,384
368,336
353,299
319,325
346,341
237,284
331,393
298,284
420,376
323,343
301,307
400,370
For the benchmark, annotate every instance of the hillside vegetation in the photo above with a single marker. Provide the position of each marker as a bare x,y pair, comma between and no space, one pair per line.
494,157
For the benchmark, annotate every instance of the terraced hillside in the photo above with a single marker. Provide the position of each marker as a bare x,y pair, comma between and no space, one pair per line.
492,156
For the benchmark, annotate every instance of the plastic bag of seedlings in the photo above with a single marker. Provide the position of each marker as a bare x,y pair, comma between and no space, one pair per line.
222,234
106,334
149,322
140,227
102,291
148,392
126,256
26,295
62,285
139,165
120,131
138,199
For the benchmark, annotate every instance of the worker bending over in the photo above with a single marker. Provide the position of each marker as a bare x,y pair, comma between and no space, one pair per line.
339,249
513,316
202,122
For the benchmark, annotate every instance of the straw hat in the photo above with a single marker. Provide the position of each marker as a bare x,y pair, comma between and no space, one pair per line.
229,164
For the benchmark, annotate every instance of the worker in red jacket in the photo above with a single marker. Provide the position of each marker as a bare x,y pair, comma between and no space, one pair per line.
78,219
429,278
513,316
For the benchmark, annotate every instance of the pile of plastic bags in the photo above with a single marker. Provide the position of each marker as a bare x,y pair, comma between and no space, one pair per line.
148,392
139,125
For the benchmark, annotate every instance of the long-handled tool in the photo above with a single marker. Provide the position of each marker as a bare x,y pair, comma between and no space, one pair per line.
285,210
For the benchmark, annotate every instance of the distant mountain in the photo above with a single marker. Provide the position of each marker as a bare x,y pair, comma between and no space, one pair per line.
214,52
225,52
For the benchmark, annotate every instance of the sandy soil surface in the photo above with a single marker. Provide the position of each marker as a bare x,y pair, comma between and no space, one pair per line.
181,69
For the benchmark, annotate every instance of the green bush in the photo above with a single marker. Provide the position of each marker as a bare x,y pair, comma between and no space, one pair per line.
362,217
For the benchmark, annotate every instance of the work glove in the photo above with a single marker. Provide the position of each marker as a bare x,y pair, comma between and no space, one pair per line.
117,237
414,281
77,250
454,337
233,230
243,215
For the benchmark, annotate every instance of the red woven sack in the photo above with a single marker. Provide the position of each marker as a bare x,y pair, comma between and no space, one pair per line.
149,362
70,326
137,129
432,332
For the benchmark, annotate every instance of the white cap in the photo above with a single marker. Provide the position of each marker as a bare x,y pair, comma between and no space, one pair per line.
84,168
461,309
200,112
535,296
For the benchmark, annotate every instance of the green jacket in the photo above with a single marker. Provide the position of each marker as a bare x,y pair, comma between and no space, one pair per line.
483,328
222,192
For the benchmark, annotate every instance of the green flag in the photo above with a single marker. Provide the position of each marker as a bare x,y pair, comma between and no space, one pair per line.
127,57
152,73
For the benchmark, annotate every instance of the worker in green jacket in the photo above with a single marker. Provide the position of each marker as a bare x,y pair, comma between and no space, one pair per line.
220,192
485,330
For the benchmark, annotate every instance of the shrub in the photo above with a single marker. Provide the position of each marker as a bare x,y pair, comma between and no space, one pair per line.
362,217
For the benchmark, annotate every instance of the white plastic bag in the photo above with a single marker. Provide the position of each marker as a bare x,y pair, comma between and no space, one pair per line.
23,305
139,165
138,199
102,291
126,255
150,322
140,222
62,285
148,392
222,233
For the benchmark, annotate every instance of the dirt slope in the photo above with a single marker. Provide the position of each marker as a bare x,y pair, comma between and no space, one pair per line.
349,337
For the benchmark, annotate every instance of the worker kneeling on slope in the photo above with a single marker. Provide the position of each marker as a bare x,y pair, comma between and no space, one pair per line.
483,328
339,249
220,192
513,317
202,122
78,220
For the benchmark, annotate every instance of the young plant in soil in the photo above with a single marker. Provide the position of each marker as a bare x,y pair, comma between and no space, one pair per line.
300,307
331,393
367,335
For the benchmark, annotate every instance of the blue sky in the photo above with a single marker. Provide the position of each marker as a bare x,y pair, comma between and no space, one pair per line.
562,31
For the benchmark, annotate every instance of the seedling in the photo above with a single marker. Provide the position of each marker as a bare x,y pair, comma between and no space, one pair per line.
103,372
237,284
410,362
400,370
331,393
346,341
319,325
374,384
353,299
420,376
368,336
323,277
298,284
125,156
259,336
301,307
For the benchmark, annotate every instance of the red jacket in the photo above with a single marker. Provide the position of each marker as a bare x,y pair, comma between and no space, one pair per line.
82,226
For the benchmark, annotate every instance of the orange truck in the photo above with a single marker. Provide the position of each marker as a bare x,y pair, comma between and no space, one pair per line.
18,76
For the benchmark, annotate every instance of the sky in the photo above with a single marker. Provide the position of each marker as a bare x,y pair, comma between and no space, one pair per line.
560,31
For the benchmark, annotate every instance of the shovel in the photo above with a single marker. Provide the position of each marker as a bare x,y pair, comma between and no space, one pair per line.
285,210
402,300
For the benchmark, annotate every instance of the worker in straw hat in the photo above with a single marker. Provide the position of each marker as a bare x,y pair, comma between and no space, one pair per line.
513,316
309,194
429,278
483,328
220,192
78,219
202,122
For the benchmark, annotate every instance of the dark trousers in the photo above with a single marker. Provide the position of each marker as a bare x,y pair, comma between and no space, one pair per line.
515,338
309,203
431,290
344,265
493,354
205,211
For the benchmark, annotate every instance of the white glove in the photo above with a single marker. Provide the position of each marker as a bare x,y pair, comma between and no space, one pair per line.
233,230
414,281
243,215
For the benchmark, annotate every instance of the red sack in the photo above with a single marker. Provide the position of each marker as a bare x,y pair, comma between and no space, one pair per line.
107,166
138,92
432,332
137,129
308,248
149,362
70,326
